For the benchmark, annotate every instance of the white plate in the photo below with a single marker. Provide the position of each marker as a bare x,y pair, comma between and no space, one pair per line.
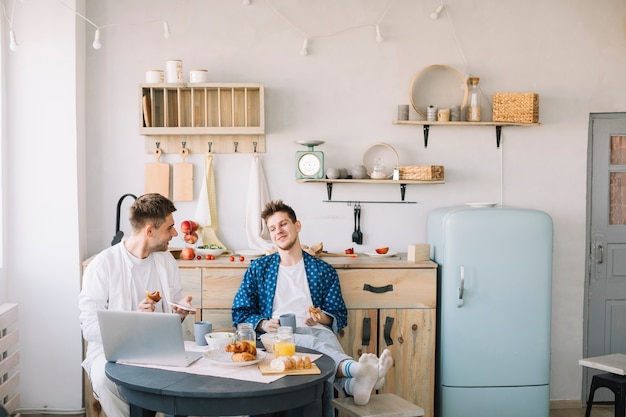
222,358
249,252
381,255
183,307
482,204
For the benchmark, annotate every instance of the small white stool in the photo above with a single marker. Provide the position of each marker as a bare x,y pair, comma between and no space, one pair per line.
387,405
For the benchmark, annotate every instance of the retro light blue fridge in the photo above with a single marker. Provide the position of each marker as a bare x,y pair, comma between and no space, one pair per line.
493,353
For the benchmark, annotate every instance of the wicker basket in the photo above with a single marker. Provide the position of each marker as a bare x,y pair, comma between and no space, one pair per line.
421,172
516,107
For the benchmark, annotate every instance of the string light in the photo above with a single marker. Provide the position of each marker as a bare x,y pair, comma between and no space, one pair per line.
435,15
96,40
379,38
13,44
304,51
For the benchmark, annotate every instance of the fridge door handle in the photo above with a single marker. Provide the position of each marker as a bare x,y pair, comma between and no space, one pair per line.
459,301
599,254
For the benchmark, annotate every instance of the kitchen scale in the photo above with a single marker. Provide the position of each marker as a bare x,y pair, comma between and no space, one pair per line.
310,163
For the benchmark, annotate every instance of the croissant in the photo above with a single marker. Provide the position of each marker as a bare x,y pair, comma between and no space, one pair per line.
155,296
243,357
240,347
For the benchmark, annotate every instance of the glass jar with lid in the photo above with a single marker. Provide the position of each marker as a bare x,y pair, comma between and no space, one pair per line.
473,100
284,342
246,333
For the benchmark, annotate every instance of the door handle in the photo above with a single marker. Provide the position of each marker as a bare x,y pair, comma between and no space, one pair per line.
599,254
367,331
459,301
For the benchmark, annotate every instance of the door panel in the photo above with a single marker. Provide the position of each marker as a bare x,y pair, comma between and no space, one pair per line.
605,292
351,337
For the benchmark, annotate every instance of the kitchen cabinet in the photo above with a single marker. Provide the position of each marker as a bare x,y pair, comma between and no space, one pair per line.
398,297
208,117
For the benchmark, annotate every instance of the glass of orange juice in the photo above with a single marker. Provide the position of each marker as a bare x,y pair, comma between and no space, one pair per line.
284,342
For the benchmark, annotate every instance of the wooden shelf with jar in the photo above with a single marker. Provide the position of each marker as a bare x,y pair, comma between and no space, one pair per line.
427,123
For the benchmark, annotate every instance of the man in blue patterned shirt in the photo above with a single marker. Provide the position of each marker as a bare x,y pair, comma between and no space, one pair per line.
291,280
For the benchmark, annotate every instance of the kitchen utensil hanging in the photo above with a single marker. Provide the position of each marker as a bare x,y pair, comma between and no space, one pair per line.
157,174
357,235
183,177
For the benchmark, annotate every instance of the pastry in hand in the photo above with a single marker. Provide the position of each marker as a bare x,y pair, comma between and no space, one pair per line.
243,357
316,312
154,296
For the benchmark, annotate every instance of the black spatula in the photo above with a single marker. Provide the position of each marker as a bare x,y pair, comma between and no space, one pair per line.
357,236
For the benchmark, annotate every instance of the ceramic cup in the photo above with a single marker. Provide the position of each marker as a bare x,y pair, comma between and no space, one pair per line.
288,319
403,112
199,76
155,76
443,115
174,71
200,328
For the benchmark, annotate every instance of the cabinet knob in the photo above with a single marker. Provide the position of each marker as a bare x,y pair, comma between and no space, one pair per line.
414,327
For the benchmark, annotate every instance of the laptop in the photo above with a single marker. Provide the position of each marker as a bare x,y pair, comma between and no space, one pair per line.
144,338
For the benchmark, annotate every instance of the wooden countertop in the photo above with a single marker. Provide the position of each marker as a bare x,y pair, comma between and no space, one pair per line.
340,262
398,261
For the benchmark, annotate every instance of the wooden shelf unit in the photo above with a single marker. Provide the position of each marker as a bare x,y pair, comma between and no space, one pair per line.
402,183
204,114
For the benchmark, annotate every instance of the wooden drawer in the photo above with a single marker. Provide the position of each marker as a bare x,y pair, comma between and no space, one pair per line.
219,287
403,288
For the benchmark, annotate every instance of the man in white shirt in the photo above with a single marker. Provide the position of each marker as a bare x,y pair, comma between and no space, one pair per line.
118,278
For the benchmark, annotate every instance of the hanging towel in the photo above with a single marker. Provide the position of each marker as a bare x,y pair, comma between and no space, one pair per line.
206,210
258,196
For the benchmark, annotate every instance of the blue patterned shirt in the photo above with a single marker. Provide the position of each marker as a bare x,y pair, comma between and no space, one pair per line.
255,297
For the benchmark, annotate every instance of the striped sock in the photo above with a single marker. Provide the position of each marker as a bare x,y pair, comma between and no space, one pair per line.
349,368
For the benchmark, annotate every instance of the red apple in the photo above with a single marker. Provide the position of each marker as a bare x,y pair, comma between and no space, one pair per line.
191,237
349,251
382,251
188,253
194,226
185,226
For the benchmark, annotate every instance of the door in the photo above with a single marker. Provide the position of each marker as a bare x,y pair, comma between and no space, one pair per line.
605,290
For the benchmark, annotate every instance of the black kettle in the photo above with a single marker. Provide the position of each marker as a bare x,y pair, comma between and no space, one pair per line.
118,233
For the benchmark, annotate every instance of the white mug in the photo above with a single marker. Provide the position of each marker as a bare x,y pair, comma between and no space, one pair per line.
174,71
154,76
198,76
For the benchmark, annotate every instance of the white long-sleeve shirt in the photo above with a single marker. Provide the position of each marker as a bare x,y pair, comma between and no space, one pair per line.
115,280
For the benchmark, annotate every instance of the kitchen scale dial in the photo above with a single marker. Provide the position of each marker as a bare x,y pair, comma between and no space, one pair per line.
310,163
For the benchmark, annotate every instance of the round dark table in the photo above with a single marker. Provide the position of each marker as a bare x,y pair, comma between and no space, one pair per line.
182,394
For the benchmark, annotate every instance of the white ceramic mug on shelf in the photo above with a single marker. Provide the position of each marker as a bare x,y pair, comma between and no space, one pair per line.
155,76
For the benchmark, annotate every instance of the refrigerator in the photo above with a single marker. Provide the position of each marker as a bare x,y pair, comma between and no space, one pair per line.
494,310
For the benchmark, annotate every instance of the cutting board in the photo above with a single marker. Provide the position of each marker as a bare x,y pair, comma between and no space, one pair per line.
345,255
265,369
157,176
183,178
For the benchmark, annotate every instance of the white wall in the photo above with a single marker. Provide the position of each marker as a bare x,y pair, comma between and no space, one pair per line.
43,255
344,92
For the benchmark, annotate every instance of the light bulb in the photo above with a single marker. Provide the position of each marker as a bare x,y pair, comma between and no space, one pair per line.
379,38
305,51
96,40
435,15
13,43
166,30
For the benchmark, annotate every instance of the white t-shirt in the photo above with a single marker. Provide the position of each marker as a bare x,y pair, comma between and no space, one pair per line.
145,279
292,293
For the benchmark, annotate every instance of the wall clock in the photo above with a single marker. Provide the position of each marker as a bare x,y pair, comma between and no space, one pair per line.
310,163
